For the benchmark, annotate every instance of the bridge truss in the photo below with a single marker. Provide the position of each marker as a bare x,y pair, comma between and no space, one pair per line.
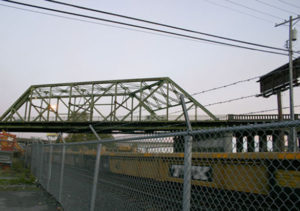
132,100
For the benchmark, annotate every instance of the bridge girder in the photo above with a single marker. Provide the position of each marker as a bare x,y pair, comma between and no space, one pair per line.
131,100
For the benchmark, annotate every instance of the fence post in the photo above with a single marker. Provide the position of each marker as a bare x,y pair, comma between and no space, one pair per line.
31,158
49,168
36,157
186,202
61,180
41,162
26,156
96,172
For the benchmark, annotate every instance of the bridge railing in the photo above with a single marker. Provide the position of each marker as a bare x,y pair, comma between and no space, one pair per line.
253,167
260,117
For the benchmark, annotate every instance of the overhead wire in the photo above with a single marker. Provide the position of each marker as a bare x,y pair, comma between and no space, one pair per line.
194,93
270,5
252,9
288,3
102,24
164,25
238,11
143,27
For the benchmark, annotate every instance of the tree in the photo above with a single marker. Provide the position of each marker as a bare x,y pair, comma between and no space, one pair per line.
80,137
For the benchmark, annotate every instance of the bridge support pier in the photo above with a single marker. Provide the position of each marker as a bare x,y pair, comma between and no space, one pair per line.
262,142
250,142
278,141
178,144
239,142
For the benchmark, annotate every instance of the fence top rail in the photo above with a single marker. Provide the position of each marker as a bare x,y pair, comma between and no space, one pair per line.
195,132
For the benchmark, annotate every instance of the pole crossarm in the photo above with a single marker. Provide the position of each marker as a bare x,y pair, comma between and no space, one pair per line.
129,100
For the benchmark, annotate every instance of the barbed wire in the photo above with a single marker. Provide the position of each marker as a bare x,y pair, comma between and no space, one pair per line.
221,102
225,86
231,100
264,111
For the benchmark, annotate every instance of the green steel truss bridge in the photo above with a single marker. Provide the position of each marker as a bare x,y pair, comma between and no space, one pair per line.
132,105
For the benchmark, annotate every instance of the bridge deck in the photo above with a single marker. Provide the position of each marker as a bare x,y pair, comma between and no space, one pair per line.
133,127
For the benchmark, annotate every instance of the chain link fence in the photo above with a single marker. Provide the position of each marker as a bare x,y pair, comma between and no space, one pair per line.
238,168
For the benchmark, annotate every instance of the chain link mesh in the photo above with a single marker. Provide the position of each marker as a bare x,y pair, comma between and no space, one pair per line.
238,168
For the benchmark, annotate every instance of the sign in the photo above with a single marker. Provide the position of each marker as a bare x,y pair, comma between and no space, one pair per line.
278,79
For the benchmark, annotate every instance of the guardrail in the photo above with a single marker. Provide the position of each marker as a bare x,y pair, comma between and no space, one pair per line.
259,117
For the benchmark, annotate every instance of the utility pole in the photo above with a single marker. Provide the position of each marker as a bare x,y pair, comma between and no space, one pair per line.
292,145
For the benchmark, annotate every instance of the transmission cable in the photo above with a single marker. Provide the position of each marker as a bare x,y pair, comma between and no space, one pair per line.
103,24
270,5
164,25
293,5
238,11
145,28
255,10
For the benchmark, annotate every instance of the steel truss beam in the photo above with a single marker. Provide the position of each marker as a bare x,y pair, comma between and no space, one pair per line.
131,100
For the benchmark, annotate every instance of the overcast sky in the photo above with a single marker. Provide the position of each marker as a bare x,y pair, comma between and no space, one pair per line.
38,48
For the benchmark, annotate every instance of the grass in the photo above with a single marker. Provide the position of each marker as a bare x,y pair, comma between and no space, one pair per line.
16,175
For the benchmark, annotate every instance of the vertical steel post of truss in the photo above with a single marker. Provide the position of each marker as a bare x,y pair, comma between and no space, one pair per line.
49,104
196,113
115,102
62,168
186,202
96,172
140,102
92,103
70,103
74,107
30,104
132,109
56,109
26,107
111,108
168,87
49,167
41,109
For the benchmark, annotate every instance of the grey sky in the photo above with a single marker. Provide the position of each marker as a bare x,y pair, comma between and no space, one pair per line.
38,49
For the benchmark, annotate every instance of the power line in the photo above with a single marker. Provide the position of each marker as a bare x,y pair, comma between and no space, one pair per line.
293,5
102,24
225,86
255,10
270,5
143,27
238,11
164,25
